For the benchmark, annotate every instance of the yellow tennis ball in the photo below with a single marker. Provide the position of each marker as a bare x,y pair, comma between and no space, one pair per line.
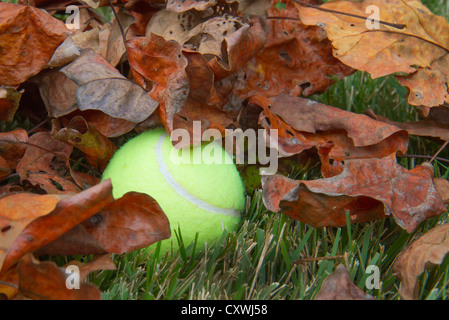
196,195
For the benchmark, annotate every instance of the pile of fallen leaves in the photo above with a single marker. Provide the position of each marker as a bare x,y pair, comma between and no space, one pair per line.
245,64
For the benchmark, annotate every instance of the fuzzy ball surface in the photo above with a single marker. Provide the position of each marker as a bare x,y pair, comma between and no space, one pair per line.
199,188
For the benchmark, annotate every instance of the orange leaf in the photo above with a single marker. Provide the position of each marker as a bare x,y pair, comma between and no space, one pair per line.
45,281
29,37
429,249
368,189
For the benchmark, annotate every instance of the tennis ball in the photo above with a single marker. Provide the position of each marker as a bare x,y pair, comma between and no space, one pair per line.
196,195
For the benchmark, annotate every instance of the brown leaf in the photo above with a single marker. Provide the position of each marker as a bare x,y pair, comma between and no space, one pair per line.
303,124
429,249
17,211
131,222
115,48
9,102
96,148
99,262
55,223
29,37
58,93
12,149
419,48
338,286
203,105
442,186
368,189
44,164
424,128
296,59
159,65
240,45
102,87
76,241
45,281
182,6
82,179
225,39
108,126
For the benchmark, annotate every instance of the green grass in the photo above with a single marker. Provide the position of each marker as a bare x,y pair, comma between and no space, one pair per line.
257,261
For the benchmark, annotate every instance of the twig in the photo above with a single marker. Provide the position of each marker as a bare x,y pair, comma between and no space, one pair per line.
439,150
283,18
394,25
9,284
422,157
122,31
303,260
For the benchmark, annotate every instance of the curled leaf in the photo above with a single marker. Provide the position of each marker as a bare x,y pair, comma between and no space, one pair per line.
367,189
429,249
45,281
97,148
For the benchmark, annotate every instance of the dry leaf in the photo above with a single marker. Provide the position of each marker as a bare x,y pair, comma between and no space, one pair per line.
367,189
429,249
69,212
303,124
58,93
45,281
97,149
44,164
12,149
29,37
417,43
9,102
102,87
338,286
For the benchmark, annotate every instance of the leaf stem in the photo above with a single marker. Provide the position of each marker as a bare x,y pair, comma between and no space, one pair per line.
394,25
299,261
439,150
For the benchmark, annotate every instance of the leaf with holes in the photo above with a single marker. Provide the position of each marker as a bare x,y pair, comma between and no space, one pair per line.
44,164
296,59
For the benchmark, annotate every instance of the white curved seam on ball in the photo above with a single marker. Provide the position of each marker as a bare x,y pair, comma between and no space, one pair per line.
180,189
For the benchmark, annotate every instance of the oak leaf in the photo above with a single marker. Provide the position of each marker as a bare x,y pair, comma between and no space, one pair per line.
409,39
366,189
